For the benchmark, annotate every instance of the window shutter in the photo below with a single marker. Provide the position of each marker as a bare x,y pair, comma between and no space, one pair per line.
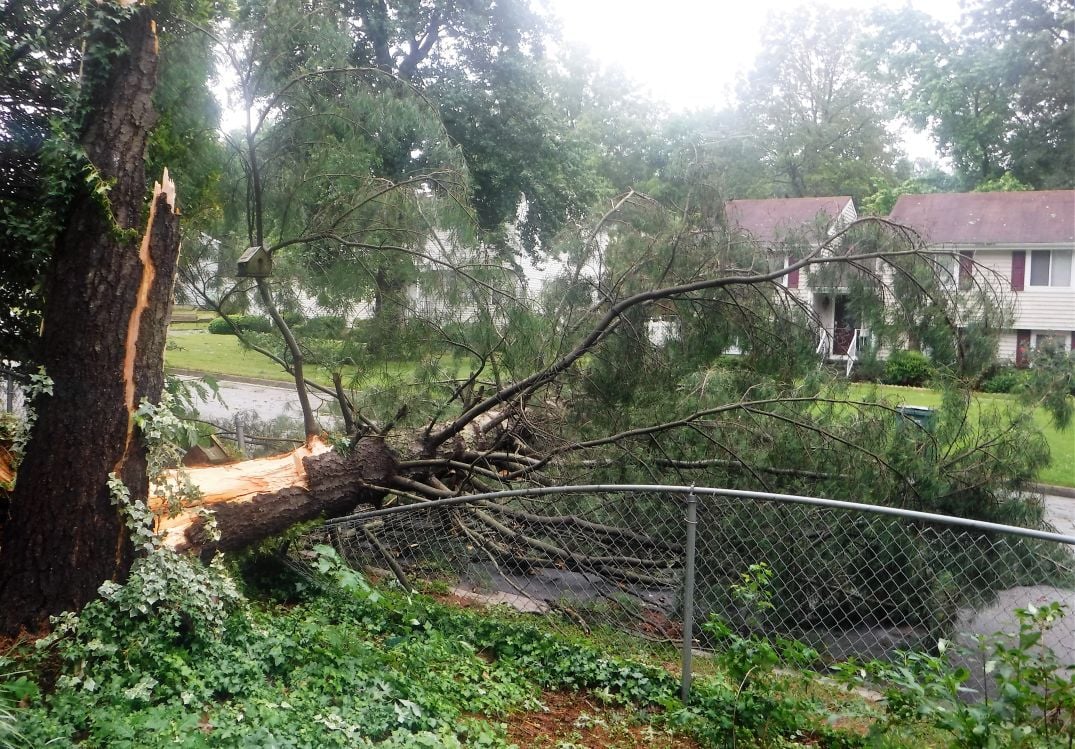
966,269
793,279
1022,347
1018,269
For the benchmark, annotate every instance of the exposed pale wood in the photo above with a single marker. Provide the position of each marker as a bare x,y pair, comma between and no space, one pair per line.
256,499
236,483
7,473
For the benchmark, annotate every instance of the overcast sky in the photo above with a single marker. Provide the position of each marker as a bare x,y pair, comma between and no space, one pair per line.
689,53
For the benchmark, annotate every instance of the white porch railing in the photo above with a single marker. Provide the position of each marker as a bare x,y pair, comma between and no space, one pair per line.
852,352
824,344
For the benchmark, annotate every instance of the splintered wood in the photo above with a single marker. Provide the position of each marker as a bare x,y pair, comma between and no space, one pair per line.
7,473
234,484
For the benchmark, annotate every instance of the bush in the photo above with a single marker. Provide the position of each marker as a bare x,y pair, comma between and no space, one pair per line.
907,368
1028,704
1004,380
332,327
868,368
293,319
245,323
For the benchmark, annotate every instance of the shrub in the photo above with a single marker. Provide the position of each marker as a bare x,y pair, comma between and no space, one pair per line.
293,319
1004,380
245,323
1030,698
868,368
907,368
330,327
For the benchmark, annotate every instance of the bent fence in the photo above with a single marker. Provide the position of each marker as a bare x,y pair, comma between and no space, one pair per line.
846,579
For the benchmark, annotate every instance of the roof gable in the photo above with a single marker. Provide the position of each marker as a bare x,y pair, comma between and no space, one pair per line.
1040,217
772,219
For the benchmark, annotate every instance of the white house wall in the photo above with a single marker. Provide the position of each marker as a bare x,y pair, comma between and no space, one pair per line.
1036,307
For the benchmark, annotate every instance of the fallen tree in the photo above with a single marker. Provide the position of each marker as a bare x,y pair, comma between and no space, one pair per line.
255,499
576,390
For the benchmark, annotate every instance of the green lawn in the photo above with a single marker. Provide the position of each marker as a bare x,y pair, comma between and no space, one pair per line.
219,355
190,348
1061,471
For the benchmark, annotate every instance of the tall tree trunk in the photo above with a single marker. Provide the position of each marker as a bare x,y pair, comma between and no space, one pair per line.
104,327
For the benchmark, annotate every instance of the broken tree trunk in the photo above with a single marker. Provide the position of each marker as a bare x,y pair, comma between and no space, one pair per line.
108,295
256,499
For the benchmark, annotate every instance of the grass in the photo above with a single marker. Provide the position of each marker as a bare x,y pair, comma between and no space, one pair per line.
1061,469
223,355
219,355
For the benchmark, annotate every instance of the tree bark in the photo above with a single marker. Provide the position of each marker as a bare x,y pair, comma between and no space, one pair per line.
108,297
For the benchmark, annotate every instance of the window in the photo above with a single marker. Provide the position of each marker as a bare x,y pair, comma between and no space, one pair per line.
1057,340
955,269
1050,268
791,280
966,269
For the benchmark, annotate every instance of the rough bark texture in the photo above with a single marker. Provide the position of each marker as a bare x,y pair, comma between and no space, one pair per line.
107,299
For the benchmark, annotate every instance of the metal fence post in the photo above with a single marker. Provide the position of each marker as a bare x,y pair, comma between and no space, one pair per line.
240,437
688,596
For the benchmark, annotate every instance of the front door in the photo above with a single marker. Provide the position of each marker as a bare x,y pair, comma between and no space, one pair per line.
843,327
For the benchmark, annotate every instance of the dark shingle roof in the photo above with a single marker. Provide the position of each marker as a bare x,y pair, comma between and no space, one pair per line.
1042,217
771,219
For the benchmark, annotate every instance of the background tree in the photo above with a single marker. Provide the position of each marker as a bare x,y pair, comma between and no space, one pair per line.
37,70
483,65
819,120
994,95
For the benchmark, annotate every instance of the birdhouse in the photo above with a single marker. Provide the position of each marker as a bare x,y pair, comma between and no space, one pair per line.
256,262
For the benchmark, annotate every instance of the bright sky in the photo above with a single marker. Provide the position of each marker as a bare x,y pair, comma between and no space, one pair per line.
689,53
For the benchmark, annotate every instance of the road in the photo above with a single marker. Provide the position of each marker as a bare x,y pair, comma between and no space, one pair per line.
268,402
1060,511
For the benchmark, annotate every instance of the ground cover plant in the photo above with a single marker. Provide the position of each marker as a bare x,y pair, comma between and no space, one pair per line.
333,662
1026,697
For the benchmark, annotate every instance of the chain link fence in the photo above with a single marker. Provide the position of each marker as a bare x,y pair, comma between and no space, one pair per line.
12,398
845,579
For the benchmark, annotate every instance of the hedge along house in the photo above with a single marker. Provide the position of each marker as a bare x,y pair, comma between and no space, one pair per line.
1026,238
785,229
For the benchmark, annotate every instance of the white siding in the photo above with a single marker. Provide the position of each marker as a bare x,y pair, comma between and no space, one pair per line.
848,214
1048,309
1006,346
1036,307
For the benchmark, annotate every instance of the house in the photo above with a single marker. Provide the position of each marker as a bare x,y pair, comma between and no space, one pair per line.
1026,238
790,227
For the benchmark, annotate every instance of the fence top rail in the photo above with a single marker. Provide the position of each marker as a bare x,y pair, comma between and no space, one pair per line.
835,504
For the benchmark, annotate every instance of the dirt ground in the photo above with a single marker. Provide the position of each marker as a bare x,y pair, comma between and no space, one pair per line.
574,719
